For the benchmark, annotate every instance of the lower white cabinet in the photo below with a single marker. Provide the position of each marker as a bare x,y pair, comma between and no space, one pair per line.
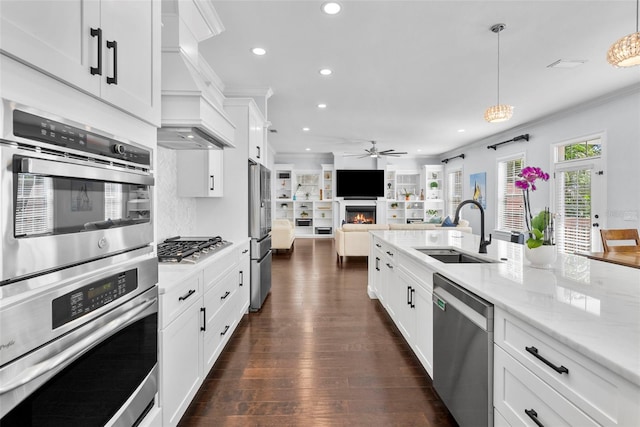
423,334
244,282
200,310
533,371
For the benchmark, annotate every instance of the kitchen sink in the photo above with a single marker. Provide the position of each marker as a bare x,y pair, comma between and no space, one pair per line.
451,256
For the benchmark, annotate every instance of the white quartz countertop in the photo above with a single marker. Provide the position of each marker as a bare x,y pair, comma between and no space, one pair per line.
591,306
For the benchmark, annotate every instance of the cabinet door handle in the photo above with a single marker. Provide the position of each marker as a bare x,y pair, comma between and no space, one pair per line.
389,253
390,266
113,45
245,251
226,294
377,264
534,416
226,328
559,369
258,148
211,183
241,278
97,32
187,295
413,292
378,245
409,295
204,319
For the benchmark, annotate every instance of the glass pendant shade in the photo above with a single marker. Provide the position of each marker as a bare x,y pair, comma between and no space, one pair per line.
625,52
498,113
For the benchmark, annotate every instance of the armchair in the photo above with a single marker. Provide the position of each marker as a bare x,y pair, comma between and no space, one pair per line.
282,234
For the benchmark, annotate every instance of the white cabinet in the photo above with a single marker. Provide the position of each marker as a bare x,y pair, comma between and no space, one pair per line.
326,186
200,173
404,287
244,278
108,49
400,212
180,347
198,315
534,372
257,146
434,195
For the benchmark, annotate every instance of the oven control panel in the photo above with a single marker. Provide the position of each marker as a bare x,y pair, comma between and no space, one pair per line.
41,129
91,297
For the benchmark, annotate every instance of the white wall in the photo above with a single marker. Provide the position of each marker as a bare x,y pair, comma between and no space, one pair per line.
617,116
176,216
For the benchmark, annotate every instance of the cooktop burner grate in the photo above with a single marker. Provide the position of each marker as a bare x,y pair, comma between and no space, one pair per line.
189,249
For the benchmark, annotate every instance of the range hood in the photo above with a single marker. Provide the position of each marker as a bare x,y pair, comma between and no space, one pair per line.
192,113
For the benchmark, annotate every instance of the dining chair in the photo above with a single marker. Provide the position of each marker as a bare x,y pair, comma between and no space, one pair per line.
624,237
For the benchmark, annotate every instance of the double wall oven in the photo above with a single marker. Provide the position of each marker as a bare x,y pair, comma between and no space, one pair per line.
78,276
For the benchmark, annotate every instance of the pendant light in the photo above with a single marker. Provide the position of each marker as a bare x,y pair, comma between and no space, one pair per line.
626,51
499,112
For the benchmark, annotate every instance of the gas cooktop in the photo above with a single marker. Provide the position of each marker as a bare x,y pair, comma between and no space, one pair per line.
189,250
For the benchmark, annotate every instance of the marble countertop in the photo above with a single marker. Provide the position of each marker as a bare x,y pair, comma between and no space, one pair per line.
591,306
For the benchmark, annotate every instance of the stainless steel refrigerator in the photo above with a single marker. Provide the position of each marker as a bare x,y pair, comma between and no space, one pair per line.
259,228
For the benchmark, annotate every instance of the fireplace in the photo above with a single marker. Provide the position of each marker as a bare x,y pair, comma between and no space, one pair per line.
360,214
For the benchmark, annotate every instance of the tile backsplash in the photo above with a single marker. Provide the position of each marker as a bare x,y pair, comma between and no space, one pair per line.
176,216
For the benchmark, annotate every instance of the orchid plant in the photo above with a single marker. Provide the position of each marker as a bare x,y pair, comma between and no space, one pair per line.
540,227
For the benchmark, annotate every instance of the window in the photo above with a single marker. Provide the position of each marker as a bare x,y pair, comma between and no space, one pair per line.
454,191
578,197
510,200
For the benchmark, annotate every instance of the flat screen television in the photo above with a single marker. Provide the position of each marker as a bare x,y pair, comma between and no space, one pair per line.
360,183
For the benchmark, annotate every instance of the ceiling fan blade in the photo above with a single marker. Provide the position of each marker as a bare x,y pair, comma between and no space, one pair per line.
386,151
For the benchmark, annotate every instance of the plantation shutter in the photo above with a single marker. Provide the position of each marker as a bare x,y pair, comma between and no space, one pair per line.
454,190
573,206
34,205
510,198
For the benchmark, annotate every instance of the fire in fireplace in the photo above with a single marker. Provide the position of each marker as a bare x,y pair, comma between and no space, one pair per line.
360,214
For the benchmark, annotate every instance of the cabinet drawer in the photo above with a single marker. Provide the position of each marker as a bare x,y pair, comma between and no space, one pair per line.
222,293
602,394
517,390
178,298
216,269
219,327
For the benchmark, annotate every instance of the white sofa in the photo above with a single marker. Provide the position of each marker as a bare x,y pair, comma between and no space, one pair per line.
354,240
282,234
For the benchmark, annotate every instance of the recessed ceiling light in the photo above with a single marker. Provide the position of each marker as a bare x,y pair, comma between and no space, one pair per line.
258,51
419,149
322,105
331,7
567,63
460,130
190,136
307,149
326,72
306,129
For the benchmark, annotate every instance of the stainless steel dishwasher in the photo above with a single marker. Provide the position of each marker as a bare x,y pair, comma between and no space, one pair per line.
463,352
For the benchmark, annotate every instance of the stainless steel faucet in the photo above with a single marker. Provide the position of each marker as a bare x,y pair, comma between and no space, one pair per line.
483,243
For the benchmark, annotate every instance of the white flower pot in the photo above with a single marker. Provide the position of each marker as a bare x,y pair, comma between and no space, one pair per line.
541,257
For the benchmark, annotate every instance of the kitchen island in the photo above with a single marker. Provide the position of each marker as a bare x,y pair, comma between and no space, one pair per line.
581,313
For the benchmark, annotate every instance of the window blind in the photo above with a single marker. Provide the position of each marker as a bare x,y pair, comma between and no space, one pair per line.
34,205
454,191
573,205
510,198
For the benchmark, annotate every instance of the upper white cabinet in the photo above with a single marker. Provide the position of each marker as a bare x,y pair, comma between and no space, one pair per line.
200,173
257,147
108,49
250,127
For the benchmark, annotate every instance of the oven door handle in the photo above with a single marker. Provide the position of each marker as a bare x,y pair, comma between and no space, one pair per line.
71,170
79,348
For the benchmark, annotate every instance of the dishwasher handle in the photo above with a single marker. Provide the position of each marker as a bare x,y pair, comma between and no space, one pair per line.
448,303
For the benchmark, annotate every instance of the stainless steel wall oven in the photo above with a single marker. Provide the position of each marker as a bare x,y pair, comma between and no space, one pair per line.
78,275
69,195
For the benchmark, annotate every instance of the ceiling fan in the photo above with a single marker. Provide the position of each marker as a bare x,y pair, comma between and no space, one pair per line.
374,152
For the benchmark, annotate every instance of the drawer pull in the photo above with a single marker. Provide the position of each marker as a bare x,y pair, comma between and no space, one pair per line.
226,294
245,251
187,295
378,245
204,319
226,328
390,266
389,253
534,416
559,369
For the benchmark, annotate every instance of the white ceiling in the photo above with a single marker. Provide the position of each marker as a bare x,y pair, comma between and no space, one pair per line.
409,74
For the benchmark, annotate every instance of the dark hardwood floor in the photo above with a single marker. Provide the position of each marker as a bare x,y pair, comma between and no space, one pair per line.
319,353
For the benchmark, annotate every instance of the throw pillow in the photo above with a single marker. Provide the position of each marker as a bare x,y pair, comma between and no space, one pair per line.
448,223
